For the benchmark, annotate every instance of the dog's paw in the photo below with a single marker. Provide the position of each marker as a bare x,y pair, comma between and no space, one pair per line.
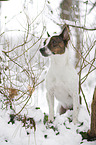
50,118
75,120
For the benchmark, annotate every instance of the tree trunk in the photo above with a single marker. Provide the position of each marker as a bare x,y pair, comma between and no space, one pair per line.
66,11
92,131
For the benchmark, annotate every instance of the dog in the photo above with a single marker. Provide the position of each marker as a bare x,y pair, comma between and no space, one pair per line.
62,78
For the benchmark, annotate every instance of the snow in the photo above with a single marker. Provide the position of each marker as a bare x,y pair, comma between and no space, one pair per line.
68,132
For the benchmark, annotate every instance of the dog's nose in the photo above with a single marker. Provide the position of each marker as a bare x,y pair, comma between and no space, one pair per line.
42,50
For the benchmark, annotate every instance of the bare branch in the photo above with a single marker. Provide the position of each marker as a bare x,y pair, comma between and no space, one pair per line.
85,101
74,25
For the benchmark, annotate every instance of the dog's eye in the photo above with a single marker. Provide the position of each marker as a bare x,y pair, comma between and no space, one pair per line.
53,41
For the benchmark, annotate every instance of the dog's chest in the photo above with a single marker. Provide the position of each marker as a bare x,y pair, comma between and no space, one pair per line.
61,69
62,77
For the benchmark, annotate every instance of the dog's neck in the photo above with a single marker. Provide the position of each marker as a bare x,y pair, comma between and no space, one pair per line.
60,58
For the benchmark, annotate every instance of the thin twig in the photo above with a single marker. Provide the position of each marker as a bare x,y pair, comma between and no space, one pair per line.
82,56
87,73
85,101
26,102
73,25
28,48
16,63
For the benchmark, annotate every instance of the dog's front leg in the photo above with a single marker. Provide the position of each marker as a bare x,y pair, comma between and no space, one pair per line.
50,99
75,108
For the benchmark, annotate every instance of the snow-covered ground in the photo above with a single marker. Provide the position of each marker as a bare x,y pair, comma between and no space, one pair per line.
61,132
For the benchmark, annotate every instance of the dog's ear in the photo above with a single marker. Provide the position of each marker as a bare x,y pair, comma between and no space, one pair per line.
65,33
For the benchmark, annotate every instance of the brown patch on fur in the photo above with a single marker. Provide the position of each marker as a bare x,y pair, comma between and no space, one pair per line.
63,110
58,43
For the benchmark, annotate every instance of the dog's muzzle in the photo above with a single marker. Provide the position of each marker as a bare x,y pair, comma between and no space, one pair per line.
45,51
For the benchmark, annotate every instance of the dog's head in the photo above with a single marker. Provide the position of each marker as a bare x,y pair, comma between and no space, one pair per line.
57,43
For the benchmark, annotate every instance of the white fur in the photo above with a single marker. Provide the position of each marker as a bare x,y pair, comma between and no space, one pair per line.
62,81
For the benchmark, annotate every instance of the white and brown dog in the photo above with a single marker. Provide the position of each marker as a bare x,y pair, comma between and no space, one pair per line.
62,79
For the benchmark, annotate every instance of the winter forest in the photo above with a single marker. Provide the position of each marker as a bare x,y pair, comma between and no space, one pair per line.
25,27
